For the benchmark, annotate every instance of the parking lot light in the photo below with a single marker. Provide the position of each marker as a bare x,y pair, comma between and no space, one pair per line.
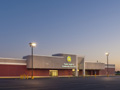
32,45
107,54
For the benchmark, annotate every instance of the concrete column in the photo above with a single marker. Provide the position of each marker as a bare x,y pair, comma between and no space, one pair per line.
84,67
76,70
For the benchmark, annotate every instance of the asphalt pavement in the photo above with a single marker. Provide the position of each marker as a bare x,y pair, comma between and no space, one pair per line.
57,83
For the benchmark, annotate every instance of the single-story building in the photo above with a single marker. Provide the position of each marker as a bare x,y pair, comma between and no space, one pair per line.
55,65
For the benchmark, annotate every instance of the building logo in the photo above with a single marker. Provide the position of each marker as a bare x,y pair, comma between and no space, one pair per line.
69,58
68,64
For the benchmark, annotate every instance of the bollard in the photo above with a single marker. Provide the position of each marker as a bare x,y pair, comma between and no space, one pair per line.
95,75
32,77
21,77
27,76
24,76
83,76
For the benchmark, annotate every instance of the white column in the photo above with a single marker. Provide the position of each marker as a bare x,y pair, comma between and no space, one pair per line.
76,70
84,67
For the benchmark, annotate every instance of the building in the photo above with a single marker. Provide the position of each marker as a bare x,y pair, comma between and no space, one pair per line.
55,65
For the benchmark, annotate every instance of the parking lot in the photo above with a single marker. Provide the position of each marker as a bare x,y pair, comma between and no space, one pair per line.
70,83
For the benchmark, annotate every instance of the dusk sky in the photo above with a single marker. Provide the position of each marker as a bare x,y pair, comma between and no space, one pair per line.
84,27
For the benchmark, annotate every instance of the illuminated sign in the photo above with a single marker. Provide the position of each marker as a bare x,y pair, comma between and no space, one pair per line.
69,58
68,65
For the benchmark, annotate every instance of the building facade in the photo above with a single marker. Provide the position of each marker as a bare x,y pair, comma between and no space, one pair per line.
55,65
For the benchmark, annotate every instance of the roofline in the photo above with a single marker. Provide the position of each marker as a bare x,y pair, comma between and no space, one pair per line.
12,58
45,56
93,62
64,53
110,64
8,63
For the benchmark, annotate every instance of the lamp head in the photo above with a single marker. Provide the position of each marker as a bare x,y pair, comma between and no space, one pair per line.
107,54
32,44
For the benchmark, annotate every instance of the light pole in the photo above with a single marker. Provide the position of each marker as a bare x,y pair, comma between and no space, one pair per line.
32,45
107,54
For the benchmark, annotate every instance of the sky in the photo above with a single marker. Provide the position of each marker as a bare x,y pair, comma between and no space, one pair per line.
87,28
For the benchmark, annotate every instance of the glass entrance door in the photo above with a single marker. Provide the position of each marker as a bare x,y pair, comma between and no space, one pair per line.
53,73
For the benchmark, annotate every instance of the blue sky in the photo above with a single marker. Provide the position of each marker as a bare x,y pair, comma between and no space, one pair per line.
85,27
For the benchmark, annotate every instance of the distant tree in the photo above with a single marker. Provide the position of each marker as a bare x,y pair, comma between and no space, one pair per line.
117,72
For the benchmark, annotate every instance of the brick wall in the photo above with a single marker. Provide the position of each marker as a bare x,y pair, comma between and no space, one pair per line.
12,70
64,72
17,70
110,70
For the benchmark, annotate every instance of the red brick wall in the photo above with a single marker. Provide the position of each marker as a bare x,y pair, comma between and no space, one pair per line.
37,72
64,72
98,72
110,70
12,70
93,72
17,70
80,72
89,72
